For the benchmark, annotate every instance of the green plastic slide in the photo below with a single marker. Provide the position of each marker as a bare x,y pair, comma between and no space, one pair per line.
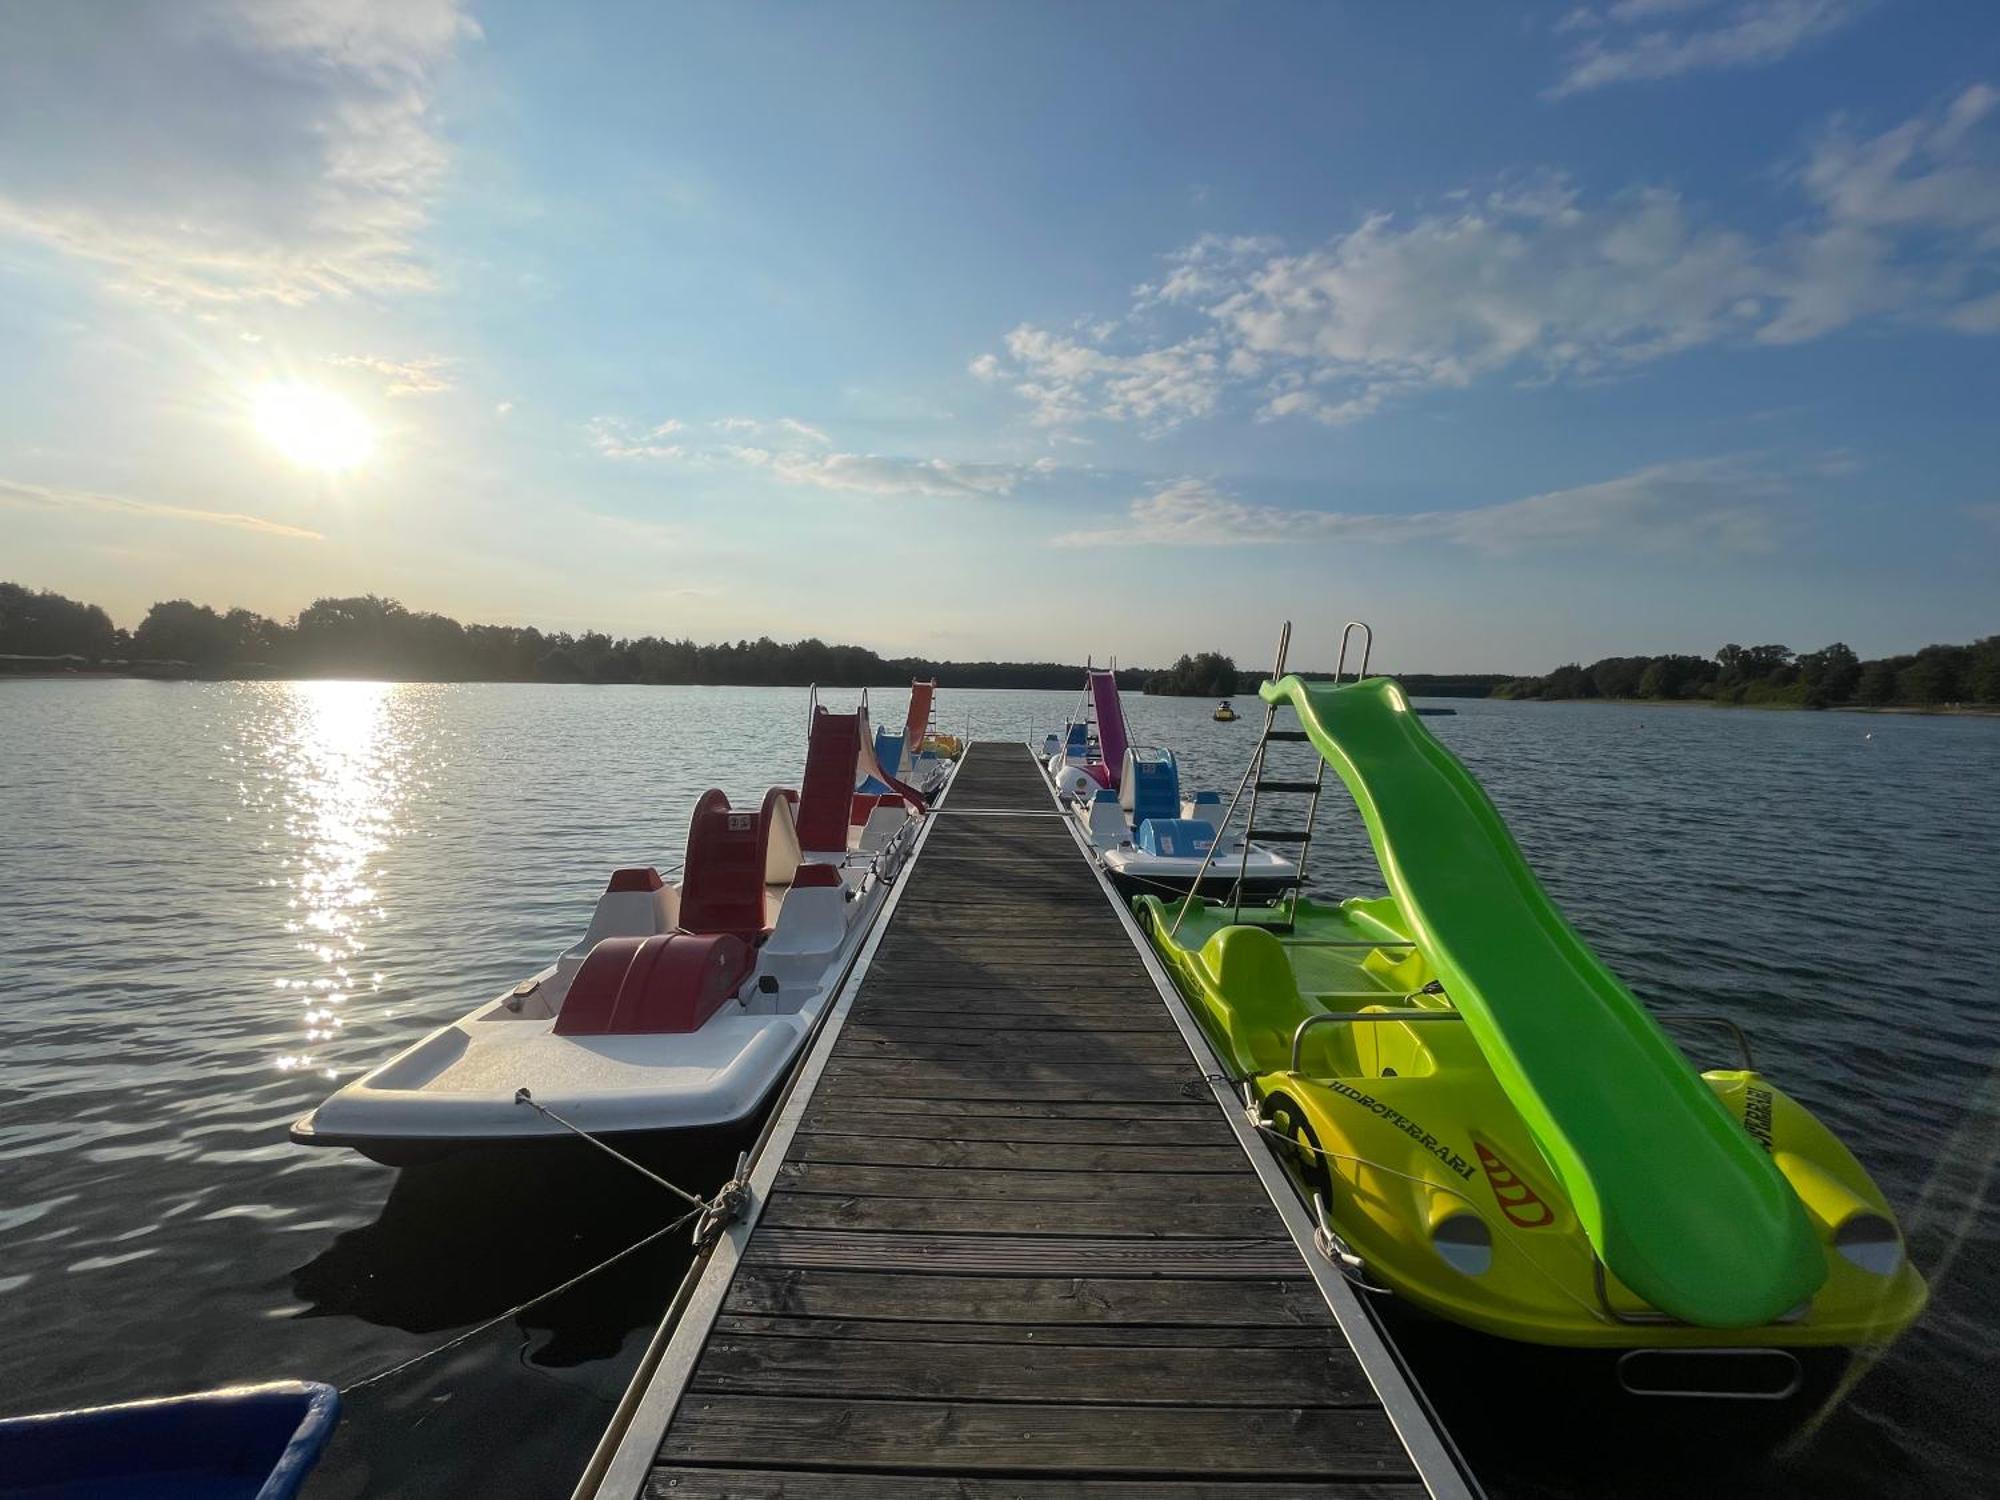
1675,1196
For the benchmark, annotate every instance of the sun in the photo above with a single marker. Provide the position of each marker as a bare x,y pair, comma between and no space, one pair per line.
312,426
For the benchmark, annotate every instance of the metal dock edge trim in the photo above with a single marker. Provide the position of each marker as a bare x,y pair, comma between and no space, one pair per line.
665,1371
1439,1464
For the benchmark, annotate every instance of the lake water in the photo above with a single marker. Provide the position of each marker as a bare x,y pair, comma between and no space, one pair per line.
220,899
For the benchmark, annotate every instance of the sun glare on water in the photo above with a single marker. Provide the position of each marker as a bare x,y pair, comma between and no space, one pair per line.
311,426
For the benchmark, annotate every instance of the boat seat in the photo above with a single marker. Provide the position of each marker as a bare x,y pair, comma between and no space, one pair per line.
670,982
722,879
1149,785
779,834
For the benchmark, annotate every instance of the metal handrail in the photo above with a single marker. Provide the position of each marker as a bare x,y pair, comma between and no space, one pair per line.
1367,646
1329,1017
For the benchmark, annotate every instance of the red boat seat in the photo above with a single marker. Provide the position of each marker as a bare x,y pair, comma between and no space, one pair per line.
722,879
670,982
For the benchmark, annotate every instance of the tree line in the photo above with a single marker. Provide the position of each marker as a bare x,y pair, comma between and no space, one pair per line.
379,638
1831,677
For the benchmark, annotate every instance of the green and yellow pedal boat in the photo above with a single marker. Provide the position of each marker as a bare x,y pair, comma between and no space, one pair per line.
1494,1129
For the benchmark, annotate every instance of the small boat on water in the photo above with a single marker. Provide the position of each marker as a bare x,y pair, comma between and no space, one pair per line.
1224,713
683,1004
1143,830
252,1442
1492,1127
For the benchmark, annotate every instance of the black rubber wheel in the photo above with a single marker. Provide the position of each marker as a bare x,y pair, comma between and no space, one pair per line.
1301,1149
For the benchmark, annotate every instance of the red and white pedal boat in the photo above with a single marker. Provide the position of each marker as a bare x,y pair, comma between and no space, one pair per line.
684,1005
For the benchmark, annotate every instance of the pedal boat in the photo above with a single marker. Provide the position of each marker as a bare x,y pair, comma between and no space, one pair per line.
1491,1127
1224,714
918,756
1148,837
683,1006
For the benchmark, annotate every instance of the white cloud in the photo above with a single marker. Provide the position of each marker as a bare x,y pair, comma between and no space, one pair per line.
41,497
1710,503
614,439
228,150
404,377
1068,379
1532,280
1687,37
876,474
806,459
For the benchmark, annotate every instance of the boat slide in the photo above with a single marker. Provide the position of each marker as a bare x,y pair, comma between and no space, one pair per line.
1673,1193
1492,1126
683,1005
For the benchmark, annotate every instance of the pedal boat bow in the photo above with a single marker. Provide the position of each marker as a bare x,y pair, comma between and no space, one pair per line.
683,1005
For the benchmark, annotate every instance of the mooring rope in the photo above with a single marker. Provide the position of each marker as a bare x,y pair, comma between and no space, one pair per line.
522,1096
519,1308
714,1213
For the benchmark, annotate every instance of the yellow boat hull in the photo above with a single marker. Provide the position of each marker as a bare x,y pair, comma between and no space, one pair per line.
1430,1178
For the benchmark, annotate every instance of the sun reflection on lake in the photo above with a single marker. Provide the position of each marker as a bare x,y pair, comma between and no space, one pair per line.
340,764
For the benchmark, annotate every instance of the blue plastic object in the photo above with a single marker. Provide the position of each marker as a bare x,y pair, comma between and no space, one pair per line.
1077,741
1151,787
250,1442
1176,837
889,749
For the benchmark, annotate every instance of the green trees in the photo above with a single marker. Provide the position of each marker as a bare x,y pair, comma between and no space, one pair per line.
369,636
1209,675
1830,674
45,623
1774,675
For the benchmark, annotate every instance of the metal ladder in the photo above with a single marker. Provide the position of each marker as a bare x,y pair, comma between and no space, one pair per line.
1255,782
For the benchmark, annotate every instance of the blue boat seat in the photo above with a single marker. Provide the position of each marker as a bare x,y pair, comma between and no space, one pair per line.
1149,785
1178,838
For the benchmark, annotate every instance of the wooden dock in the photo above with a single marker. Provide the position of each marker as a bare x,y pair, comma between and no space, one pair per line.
1008,1241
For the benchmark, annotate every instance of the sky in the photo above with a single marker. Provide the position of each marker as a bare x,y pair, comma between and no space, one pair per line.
1526,333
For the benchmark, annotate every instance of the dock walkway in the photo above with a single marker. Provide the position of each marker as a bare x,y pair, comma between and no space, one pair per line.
1012,1246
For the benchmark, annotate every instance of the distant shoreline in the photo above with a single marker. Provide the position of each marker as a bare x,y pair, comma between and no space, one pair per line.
1934,711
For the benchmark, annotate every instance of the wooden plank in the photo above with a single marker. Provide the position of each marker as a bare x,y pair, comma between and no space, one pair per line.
895,976
692,1482
1245,1305
1199,1220
831,1366
1036,1156
1181,1108
1146,1192
1046,1335
1064,1049
909,1023
830,1119
1024,1077
944,1436
1000,996
939,1086
1020,1254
